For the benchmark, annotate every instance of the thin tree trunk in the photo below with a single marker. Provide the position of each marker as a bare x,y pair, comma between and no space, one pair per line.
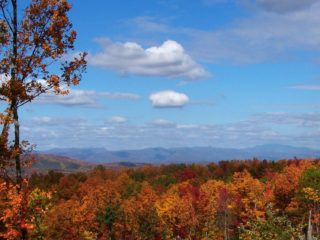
17,146
14,105
225,226
15,100
309,234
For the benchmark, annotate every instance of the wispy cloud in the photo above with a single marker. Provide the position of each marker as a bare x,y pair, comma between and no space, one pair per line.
117,120
285,6
264,36
277,6
85,98
258,129
306,87
163,123
166,60
309,120
55,121
118,95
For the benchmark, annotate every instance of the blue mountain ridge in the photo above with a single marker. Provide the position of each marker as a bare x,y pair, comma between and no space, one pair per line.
185,154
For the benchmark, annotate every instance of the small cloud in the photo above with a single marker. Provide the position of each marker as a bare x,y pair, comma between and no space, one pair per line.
163,123
42,120
283,6
117,119
168,99
307,87
187,126
119,95
167,60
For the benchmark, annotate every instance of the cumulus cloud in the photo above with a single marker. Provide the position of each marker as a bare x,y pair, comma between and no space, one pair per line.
282,6
83,97
168,99
167,60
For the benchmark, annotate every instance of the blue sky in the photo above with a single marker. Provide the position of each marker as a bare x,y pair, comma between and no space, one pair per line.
175,73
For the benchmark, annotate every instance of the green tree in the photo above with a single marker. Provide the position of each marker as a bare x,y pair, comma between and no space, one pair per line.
310,178
309,188
273,227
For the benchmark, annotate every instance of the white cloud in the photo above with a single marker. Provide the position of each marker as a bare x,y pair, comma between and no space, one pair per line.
117,119
168,99
83,97
258,129
167,60
74,98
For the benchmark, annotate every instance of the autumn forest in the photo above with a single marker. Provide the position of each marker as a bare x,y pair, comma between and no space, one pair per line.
253,199
229,200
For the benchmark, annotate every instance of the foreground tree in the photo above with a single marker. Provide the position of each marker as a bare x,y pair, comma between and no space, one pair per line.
22,213
273,227
31,62
309,185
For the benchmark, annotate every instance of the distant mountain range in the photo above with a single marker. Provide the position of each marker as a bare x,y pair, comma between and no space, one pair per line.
184,155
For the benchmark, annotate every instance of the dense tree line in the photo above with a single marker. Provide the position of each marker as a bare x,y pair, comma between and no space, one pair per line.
227,200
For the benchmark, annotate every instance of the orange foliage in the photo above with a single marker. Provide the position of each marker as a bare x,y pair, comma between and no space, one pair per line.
124,204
